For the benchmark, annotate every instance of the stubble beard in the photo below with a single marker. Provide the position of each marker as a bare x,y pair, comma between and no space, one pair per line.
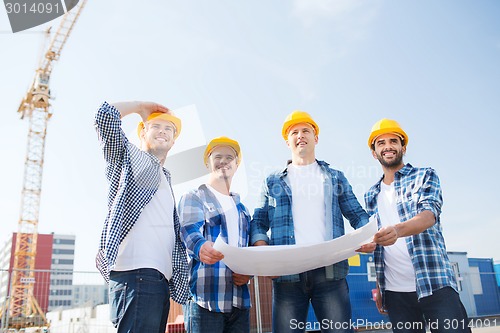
397,161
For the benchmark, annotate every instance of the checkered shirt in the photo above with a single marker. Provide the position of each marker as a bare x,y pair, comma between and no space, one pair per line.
203,219
134,178
417,189
275,212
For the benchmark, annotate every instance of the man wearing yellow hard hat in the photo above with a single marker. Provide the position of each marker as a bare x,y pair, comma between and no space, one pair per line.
220,298
304,204
141,254
416,283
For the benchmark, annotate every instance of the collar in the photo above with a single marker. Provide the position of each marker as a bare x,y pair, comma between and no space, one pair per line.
405,170
235,196
284,172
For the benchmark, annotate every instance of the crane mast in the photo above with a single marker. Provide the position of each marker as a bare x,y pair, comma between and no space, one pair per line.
23,308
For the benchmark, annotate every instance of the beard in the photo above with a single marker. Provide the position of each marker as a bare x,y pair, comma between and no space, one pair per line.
397,161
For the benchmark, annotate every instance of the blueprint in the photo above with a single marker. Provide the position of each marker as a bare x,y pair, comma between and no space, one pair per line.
292,259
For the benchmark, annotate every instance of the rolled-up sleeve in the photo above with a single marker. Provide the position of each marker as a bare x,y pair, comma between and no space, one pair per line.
260,220
192,219
349,204
430,195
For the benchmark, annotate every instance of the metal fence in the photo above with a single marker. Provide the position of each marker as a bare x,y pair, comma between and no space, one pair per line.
78,302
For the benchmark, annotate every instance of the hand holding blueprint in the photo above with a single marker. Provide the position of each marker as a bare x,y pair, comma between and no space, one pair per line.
293,259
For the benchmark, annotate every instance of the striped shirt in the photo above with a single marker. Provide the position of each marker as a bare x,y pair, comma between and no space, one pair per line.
417,190
275,212
134,178
202,220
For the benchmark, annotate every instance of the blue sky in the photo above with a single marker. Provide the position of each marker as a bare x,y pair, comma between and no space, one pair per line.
432,65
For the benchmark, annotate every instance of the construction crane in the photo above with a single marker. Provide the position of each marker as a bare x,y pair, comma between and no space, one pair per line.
23,309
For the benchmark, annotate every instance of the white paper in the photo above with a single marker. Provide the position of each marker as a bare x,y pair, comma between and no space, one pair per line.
293,259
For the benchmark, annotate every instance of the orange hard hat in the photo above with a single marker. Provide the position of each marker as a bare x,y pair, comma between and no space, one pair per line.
298,117
222,141
165,116
385,126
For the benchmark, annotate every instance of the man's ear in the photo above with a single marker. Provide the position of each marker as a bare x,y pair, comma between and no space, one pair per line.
208,166
374,154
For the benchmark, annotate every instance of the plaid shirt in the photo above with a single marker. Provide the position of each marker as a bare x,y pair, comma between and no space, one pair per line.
275,212
202,220
417,189
134,178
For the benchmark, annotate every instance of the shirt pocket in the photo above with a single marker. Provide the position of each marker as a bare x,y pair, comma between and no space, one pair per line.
212,215
410,200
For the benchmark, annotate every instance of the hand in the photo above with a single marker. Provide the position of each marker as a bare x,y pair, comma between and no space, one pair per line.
367,248
378,302
386,236
147,108
239,279
144,109
209,255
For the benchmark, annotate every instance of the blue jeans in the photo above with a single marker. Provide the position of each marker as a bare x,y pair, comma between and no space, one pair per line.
442,311
139,301
329,299
201,320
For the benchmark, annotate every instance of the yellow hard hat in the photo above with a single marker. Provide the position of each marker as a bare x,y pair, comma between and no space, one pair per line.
297,117
165,116
385,126
222,141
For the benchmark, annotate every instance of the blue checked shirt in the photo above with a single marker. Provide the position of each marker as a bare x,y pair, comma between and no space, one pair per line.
275,212
134,177
202,220
417,189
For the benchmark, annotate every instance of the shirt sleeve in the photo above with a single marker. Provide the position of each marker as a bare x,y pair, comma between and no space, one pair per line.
430,196
192,220
111,137
370,197
349,204
260,220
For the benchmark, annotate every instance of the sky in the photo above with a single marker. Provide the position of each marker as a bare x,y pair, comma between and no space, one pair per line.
434,66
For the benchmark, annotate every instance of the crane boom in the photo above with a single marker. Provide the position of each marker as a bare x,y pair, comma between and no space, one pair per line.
36,95
24,310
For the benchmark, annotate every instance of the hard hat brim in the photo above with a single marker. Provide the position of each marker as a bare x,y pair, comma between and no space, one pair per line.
222,141
164,116
392,130
292,122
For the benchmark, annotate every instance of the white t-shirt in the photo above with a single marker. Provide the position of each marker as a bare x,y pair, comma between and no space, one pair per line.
231,213
150,242
399,272
308,203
